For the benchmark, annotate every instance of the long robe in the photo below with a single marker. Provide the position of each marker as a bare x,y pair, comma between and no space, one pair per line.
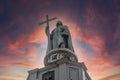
60,36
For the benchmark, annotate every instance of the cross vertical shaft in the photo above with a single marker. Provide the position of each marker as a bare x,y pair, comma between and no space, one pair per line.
47,20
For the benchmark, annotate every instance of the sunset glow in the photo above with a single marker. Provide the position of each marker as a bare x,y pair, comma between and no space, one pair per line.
94,26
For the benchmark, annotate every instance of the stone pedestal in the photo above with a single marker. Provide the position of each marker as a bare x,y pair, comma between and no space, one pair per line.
60,64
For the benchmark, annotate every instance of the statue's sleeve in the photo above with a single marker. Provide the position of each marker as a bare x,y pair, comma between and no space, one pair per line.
47,31
51,39
51,35
49,47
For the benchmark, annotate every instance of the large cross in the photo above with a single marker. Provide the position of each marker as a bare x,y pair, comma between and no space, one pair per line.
47,20
47,29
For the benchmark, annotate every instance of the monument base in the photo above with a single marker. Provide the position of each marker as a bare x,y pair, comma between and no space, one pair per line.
62,70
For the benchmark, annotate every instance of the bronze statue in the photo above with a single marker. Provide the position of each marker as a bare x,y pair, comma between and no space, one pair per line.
60,37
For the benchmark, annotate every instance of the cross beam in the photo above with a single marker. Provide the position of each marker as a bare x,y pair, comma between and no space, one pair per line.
47,20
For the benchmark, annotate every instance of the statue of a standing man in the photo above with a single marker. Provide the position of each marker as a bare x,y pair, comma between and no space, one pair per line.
60,37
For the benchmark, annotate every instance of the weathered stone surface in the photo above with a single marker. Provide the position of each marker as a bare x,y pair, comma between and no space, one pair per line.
62,71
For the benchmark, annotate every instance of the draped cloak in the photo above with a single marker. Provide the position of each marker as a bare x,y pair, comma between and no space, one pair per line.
61,36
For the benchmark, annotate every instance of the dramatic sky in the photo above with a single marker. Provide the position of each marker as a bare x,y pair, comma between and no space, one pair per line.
94,26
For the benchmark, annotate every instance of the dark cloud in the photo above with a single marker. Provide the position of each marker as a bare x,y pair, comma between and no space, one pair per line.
100,20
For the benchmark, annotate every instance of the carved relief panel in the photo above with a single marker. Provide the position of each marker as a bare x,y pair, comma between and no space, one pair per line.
73,74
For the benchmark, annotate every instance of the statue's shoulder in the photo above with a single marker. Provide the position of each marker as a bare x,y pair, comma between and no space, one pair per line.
65,27
54,30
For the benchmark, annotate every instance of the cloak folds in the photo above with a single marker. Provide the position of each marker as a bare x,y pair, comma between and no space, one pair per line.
61,38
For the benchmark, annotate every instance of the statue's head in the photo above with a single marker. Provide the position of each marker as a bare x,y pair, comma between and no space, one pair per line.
59,23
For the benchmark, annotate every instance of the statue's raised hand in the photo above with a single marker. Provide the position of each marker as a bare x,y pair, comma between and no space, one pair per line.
47,30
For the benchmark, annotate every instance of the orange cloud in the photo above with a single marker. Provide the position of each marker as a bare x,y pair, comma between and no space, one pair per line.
112,77
24,49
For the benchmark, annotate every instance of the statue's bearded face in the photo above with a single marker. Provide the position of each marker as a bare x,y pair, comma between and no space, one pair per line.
59,23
